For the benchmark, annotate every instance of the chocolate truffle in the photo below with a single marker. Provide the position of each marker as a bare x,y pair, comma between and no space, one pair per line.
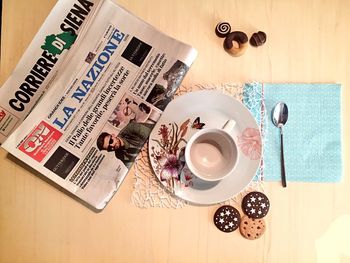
258,39
222,29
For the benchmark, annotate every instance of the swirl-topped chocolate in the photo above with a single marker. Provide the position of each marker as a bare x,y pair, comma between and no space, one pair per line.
222,29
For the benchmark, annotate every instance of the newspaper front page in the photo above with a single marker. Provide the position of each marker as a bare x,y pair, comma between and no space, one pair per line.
103,101
39,65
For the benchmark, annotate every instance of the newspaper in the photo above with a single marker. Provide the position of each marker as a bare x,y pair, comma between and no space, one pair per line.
87,93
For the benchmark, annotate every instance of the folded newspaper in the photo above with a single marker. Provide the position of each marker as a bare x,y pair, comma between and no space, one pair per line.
85,95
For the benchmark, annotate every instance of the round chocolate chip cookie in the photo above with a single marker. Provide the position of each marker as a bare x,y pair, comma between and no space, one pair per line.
255,205
227,218
251,228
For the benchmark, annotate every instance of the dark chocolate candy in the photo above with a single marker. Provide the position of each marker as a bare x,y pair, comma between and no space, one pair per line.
222,29
239,37
258,39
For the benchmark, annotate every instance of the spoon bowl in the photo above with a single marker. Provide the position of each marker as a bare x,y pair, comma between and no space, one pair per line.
280,114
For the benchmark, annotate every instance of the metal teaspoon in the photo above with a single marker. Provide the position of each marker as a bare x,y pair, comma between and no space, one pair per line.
279,118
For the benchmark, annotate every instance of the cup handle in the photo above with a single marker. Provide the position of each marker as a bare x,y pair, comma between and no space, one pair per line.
229,126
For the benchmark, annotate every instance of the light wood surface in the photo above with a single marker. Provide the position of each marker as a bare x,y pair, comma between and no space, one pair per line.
308,41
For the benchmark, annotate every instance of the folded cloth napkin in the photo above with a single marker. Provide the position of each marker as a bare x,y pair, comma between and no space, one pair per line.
312,134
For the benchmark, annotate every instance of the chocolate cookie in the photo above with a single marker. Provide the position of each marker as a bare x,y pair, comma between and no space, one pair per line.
255,205
251,228
222,29
227,218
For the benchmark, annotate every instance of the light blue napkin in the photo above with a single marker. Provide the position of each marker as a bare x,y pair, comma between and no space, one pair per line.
312,135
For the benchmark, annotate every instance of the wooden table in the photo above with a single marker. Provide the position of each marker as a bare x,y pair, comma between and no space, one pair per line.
308,41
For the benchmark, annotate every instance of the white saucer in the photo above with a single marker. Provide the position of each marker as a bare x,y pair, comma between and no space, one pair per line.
213,109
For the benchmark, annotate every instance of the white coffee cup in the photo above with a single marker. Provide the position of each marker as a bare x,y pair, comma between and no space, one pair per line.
211,154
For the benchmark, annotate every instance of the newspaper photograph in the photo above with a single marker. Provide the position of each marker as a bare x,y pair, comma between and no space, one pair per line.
97,110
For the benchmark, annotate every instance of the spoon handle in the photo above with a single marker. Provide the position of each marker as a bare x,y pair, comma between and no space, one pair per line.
283,171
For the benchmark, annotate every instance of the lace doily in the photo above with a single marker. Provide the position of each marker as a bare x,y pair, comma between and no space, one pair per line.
149,192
